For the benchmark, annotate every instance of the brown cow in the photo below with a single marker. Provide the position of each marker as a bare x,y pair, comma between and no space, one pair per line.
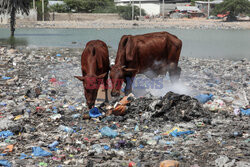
95,69
158,52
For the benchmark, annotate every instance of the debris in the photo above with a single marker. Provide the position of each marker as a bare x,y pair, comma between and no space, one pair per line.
169,163
177,133
38,151
5,134
5,163
106,131
203,98
245,112
94,112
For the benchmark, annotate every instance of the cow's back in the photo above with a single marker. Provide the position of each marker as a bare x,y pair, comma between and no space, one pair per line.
152,50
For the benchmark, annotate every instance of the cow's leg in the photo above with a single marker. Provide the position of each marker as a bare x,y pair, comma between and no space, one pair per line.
106,87
129,83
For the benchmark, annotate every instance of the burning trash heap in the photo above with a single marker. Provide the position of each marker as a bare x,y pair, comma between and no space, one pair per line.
44,120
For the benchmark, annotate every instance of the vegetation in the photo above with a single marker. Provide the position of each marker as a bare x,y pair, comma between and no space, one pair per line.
12,7
39,10
126,12
234,7
96,6
59,8
88,6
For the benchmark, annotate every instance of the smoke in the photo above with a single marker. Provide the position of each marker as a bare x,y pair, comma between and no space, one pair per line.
177,87
159,85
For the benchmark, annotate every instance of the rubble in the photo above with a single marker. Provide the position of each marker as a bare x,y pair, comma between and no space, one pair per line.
45,122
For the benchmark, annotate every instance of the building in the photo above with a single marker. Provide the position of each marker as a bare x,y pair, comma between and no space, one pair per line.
203,5
154,7
54,2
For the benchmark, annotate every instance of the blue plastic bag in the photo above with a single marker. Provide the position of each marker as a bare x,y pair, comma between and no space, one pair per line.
106,147
3,104
6,78
38,151
106,131
24,156
203,98
245,112
53,145
58,55
5,163
94,112
175,133
6,134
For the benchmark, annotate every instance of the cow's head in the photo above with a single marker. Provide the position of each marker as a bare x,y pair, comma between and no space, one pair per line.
117,76
91,85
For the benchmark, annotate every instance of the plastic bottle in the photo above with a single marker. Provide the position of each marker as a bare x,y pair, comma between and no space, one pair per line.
66,129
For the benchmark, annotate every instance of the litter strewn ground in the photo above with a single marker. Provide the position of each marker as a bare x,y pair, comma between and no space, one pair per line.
43,115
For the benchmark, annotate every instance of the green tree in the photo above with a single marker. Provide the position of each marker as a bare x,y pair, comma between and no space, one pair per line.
12,7
87,6
60,8
126,12
234,7
39,10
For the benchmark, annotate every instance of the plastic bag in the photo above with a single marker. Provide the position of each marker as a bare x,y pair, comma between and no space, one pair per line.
38,151
94,113
106,131
203,98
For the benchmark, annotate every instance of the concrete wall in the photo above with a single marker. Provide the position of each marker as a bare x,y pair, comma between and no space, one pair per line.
82,16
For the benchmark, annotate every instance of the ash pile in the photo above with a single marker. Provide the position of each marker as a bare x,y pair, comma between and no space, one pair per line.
171,107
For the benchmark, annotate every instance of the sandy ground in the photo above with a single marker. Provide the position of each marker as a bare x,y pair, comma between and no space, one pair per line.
200,23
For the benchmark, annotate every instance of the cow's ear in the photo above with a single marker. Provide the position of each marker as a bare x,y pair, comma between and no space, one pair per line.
101,76
80,78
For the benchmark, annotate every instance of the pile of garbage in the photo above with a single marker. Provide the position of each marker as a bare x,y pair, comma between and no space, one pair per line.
45,122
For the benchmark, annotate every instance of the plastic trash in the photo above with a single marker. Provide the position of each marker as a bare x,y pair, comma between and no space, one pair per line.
203,98
72,108
169,163
54,144
120,110
58,55
245,112
24,156
5,163
106,131
177,133
6,78
39,152
43,164
3,104
106,147
131,164
5,134
237,134
97,148
76,116
94,113
66,129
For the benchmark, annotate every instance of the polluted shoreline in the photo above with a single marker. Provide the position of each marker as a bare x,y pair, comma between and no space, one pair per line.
202,121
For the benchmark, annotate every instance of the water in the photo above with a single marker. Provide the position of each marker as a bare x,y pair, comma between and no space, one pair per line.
216,44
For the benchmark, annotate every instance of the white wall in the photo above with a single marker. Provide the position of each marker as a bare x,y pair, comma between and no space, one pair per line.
150,8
